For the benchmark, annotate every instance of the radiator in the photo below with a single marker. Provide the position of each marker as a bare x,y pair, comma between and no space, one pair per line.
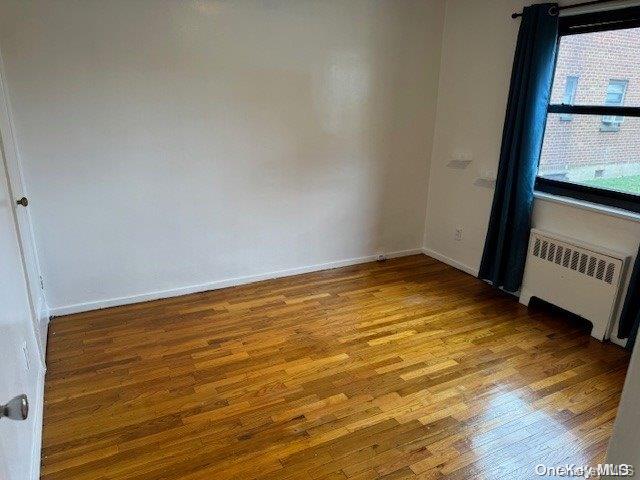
581,278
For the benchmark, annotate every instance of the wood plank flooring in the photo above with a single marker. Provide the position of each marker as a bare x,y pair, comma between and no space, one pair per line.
400,369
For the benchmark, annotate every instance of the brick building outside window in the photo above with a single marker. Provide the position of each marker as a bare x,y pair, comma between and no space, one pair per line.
598,68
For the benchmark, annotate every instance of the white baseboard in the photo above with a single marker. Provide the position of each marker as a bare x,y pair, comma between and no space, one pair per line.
450,261
43,310
215,285
621,342
37,410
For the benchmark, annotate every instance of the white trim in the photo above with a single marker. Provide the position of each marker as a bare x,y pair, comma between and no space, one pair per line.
217,284
618,341
450,261
37,409
598,8
24,223
43,316
589,206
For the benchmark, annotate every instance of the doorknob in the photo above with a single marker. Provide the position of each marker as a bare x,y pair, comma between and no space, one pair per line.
23,201
16,409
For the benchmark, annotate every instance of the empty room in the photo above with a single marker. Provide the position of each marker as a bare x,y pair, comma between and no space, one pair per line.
319,239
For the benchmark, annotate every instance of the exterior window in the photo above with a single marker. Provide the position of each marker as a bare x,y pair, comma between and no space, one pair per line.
591,145
616,91
570,87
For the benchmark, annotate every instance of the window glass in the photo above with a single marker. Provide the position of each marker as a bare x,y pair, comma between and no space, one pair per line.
569,94
615,92
600,151
580,153
607,64
615,96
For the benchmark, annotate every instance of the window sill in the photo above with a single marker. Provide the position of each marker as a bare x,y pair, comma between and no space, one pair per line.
589,206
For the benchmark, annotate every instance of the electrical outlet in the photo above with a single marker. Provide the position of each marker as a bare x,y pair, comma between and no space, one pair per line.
25,353
458,235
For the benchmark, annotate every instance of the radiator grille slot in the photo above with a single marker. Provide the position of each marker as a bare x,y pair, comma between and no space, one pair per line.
600,271
577,259
559,254
536,248
552,252
609,276
591,269
583,262
574,260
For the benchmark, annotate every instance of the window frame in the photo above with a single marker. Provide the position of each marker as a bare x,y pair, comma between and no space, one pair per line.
586,23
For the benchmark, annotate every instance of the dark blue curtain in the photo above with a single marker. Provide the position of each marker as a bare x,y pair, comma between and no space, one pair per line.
505,247
630,316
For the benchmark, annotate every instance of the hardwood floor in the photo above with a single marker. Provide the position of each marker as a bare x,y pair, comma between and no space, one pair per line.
401,369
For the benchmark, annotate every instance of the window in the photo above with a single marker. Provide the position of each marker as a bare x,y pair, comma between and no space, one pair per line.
591,146
570,87
615,96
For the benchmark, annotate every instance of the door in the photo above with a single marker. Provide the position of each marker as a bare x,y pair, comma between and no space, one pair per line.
37,302
19,360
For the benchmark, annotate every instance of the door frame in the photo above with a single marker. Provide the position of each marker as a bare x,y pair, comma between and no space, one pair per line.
24,224
34,370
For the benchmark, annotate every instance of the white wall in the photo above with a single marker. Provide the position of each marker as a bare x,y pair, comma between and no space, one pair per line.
623,446
477,54
170,144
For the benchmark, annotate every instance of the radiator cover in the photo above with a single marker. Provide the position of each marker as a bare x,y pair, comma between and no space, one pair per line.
581,278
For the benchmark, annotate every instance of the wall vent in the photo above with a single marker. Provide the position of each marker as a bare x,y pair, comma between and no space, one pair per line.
585,262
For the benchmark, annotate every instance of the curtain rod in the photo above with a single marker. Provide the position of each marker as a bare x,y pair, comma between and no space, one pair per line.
556,10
